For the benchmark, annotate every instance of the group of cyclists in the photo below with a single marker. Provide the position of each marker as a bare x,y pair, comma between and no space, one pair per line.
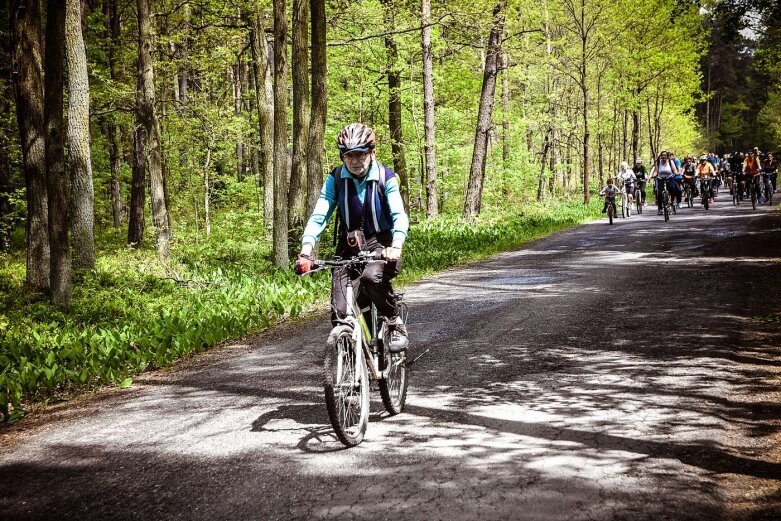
742,173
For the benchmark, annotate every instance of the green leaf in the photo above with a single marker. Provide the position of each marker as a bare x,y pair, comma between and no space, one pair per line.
127,382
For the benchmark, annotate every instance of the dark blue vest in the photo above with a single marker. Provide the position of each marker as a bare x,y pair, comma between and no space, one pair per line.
373,215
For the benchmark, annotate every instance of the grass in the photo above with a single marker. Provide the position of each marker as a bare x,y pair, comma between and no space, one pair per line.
132,313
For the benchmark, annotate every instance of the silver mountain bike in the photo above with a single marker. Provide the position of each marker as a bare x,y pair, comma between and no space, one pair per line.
355,354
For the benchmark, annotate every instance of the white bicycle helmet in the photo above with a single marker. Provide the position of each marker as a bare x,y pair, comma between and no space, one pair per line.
356,137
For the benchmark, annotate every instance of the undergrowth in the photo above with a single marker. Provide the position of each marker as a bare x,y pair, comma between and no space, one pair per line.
131,313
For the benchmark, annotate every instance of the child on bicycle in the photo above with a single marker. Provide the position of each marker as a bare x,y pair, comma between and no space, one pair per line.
626,180
371,218
609,192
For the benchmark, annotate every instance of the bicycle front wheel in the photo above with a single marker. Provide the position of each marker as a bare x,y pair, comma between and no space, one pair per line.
393,388
346,386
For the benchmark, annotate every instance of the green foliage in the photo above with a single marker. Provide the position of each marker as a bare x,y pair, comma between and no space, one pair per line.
130,315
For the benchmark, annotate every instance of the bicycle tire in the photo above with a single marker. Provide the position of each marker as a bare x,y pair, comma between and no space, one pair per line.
347,403
393,388
666,213
706,203
638,202
753,199
610,213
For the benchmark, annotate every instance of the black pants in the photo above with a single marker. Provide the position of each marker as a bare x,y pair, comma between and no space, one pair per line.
372,284
672,187
691,182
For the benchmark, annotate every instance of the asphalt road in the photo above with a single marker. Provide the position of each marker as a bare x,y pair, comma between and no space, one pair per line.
608,372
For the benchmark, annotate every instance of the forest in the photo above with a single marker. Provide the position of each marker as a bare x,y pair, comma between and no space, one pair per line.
159,158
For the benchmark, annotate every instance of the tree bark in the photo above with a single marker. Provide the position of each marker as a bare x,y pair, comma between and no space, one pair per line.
300,57
394,105
474,194
6,104
82,217
235,75
263,95
432,204
635,134
110,128
27,63
316,144
5,190
280,137
137,218
147,117
541,181
585,92
60,260
505,120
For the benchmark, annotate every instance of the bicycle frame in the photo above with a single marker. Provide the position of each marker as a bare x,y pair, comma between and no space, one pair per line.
364,336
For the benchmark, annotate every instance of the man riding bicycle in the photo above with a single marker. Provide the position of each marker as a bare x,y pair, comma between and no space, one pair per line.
371,218
705,173
770,166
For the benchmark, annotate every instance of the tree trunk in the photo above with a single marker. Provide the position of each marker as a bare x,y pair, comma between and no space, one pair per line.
110,127
394,105
207,188
474,192
260,66
316,145
635,134
585,92
235,75
280,137
541,181
432,206
82,218
60,261
5,191
137,218
624,134
600,156
27,63
300,57
505,121
115,161
147,117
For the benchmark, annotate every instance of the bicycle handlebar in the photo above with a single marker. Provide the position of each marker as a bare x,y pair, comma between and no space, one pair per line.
357,260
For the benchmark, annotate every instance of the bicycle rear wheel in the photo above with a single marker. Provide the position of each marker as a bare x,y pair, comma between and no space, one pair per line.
346,386
393,388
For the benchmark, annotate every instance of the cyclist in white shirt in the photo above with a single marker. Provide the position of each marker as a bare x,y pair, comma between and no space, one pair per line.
627,180
664,171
